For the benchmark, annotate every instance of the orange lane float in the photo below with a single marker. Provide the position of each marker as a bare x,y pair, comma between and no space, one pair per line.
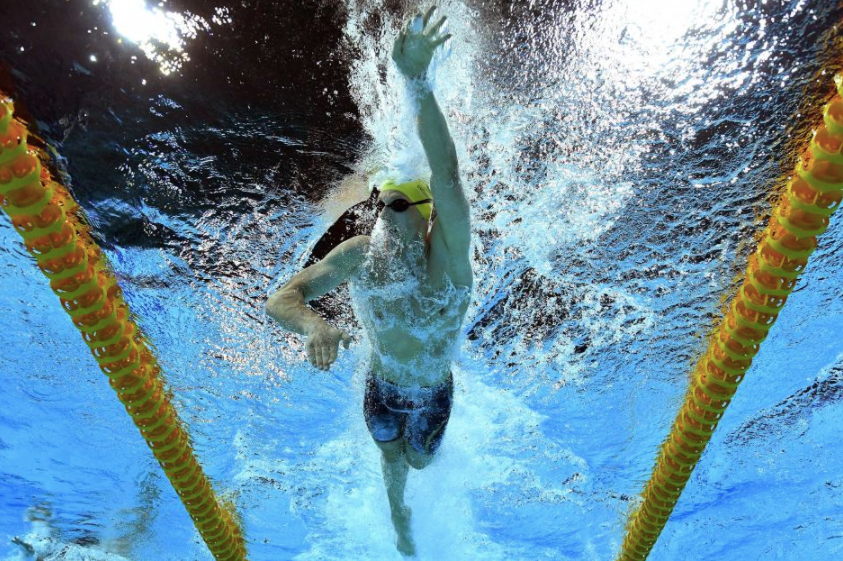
47,218
813,194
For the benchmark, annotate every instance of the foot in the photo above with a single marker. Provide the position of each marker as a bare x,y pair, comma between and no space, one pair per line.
401,521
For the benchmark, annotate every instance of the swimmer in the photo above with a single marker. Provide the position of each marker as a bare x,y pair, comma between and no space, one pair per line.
410,283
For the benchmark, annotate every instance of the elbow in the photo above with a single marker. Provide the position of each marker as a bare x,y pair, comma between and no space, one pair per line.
447,176
270,306
281,300
450,164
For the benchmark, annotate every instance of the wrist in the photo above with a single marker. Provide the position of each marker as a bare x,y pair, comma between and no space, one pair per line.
314,326
419,86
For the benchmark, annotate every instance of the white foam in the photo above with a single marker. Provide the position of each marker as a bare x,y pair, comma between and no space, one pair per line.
43,543
478,452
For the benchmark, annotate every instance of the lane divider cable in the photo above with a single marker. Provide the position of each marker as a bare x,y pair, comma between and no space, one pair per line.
812,195
47,218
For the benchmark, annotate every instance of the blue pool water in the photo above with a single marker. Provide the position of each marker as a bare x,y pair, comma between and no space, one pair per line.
619,157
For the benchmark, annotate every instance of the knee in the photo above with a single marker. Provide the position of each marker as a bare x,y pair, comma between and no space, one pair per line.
393,450
418,460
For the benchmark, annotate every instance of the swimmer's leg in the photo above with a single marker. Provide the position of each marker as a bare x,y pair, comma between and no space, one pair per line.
395,468
424,429
387,427
418,459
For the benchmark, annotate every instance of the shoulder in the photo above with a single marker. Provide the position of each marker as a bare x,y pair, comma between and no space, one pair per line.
358,242
356,245
349,253
351,245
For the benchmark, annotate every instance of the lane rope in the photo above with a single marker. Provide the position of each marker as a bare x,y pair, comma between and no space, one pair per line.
812,195
47,218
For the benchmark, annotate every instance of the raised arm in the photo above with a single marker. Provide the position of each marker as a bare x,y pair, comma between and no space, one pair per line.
288,305
412,52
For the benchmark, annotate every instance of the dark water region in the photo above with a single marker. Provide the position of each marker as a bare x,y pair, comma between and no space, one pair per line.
250,107
616,180
260,118
264,100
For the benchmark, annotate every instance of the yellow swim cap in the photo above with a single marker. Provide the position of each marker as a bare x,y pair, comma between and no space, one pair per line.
415,191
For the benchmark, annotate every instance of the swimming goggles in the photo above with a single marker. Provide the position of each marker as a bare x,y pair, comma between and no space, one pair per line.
400,205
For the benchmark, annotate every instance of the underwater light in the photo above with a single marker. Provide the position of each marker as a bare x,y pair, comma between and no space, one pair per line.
161,35
653,28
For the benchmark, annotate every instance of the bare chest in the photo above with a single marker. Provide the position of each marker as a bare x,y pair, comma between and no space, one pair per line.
409,317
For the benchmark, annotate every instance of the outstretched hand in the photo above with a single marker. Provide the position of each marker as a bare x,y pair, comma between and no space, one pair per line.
416,43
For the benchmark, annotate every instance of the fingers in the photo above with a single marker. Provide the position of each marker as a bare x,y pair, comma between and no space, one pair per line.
329,355
436,26
322,354
316,354
311,353
319,359
428,15
441,40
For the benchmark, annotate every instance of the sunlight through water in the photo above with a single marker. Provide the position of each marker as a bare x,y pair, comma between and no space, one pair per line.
161,35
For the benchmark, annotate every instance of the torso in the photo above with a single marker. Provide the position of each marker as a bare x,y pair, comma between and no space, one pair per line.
412,317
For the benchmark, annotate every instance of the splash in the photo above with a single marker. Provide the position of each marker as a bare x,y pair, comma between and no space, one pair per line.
414,331
453,515
527,162
547,146
44,543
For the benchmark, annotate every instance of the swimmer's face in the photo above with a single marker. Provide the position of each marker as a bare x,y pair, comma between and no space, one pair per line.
408,223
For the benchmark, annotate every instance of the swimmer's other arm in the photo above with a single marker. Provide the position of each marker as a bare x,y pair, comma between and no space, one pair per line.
288,305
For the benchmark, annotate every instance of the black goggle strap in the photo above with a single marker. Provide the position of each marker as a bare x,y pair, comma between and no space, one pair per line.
400,205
